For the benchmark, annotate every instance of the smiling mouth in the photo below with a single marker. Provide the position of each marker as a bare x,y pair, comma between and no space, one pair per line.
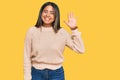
47,19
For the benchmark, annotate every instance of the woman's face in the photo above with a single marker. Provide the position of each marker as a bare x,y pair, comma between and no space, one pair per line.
48,15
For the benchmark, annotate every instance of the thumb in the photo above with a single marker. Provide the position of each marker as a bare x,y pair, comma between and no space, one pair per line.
66,23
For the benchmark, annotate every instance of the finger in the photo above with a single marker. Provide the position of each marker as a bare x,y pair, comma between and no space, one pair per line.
73,15
68,16
66,22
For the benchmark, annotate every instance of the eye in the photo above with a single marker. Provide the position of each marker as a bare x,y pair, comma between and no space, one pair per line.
52,12
45,11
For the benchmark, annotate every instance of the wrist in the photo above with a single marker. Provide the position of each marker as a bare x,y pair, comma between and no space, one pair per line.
74,28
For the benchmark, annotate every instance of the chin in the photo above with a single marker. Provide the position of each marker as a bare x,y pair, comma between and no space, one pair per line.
45,22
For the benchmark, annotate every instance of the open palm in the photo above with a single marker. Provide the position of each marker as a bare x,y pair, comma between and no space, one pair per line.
71,21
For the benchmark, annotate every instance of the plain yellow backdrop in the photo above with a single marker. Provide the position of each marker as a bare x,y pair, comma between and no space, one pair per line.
98,20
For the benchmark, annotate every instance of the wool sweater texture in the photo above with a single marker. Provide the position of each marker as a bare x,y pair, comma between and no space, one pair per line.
43,48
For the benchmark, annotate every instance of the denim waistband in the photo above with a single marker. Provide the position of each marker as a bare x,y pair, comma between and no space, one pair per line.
46,74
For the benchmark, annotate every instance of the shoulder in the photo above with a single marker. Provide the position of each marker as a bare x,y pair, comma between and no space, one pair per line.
31,30
63,30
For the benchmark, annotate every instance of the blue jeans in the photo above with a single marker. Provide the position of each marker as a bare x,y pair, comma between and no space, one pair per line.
48,74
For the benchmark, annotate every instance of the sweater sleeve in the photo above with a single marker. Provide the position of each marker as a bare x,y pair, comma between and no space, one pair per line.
27,53
75,42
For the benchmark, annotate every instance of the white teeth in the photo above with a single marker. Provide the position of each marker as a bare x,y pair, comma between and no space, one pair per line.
47,19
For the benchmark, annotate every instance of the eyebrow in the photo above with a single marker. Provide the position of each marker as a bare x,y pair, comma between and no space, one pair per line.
50,11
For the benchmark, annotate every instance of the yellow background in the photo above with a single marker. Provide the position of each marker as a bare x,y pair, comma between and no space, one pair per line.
98,20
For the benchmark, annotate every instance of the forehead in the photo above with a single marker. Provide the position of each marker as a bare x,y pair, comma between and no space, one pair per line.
49,7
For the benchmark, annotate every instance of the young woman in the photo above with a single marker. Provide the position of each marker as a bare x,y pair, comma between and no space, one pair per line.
45,43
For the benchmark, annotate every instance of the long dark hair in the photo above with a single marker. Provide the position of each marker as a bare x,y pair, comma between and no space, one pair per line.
56,23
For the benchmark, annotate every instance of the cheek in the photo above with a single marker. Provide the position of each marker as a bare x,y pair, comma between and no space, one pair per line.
53,17
43,14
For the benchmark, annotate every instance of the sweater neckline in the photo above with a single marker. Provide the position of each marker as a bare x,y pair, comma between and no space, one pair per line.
47,28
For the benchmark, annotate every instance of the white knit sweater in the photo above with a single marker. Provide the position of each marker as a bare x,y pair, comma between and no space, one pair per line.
44,49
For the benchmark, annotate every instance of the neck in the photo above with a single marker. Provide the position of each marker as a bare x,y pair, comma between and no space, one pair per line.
47,26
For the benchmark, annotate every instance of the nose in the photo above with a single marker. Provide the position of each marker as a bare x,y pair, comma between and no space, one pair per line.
48,14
